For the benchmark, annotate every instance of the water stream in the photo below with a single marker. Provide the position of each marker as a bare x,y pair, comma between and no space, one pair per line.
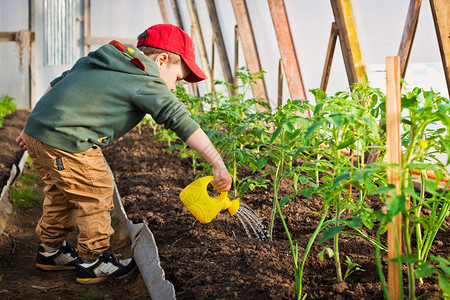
247,216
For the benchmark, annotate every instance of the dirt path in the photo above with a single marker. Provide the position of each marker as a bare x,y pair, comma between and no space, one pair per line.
20,279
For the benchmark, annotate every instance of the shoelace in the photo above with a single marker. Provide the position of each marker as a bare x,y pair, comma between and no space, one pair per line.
108,257
70,249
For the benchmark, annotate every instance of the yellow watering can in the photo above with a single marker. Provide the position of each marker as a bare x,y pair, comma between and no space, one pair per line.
203,207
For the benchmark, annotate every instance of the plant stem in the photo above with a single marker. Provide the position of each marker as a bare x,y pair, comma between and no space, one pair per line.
310,243
336,246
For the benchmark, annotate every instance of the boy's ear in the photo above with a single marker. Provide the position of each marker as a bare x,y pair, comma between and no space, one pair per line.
162,59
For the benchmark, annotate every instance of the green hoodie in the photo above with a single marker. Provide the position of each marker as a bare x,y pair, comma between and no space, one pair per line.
103,97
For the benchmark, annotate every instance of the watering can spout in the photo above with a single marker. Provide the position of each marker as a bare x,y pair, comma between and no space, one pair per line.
203,207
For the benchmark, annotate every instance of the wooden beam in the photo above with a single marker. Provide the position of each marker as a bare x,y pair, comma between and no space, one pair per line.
287,50
249,46
32,53
409,31
198,37
441,16
176,12
393,152
163,9
220,44
329,58
8,36
348,39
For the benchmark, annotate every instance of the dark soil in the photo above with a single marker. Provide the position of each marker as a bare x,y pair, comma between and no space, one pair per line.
217,260
19,277
204,261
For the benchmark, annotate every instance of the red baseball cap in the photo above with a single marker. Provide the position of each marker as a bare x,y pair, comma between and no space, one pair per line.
171,38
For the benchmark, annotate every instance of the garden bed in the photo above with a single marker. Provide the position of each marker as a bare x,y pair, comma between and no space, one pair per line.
203,261
217,260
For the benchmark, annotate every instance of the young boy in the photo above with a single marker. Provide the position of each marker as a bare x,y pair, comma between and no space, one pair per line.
102,97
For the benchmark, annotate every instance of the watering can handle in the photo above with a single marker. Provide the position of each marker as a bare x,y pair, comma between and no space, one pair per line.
222,195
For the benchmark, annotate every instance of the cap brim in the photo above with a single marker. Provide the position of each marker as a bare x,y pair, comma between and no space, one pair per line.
196,74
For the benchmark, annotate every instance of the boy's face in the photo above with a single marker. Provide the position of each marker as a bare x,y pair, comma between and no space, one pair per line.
171,73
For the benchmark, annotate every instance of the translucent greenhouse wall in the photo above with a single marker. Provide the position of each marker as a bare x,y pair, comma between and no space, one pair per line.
379,26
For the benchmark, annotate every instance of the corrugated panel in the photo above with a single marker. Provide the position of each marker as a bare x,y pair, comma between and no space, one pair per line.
60,23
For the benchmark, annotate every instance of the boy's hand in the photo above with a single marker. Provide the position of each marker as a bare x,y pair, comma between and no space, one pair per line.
222,179
21,141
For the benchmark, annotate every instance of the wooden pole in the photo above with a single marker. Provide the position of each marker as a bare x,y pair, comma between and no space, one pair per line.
176,12
32,58
393,153
280,83
348,39
197,33
236,54
162,8
220,44
441,16
329,58
213,58
287,50
87,27
408,35
249,46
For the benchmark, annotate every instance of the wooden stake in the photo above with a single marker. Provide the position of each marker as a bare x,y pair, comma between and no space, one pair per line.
393,153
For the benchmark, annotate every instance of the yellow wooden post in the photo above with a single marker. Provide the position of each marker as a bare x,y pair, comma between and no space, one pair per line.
393,152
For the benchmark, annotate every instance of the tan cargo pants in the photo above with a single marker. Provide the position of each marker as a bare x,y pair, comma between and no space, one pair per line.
79,192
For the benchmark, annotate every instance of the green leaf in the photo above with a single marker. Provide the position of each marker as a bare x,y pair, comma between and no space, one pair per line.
303,180
330,233
424,270
397,204
262,161
275,135
410,258
345,144
384,189
339,179
285,199
312,128
354,222
444,284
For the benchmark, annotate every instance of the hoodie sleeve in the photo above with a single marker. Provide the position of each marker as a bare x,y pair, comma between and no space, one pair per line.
156,99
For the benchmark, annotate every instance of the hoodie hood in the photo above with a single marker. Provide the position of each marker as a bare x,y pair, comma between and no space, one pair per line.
122,58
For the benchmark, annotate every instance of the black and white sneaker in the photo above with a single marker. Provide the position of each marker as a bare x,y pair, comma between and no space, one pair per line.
107,265
65,258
